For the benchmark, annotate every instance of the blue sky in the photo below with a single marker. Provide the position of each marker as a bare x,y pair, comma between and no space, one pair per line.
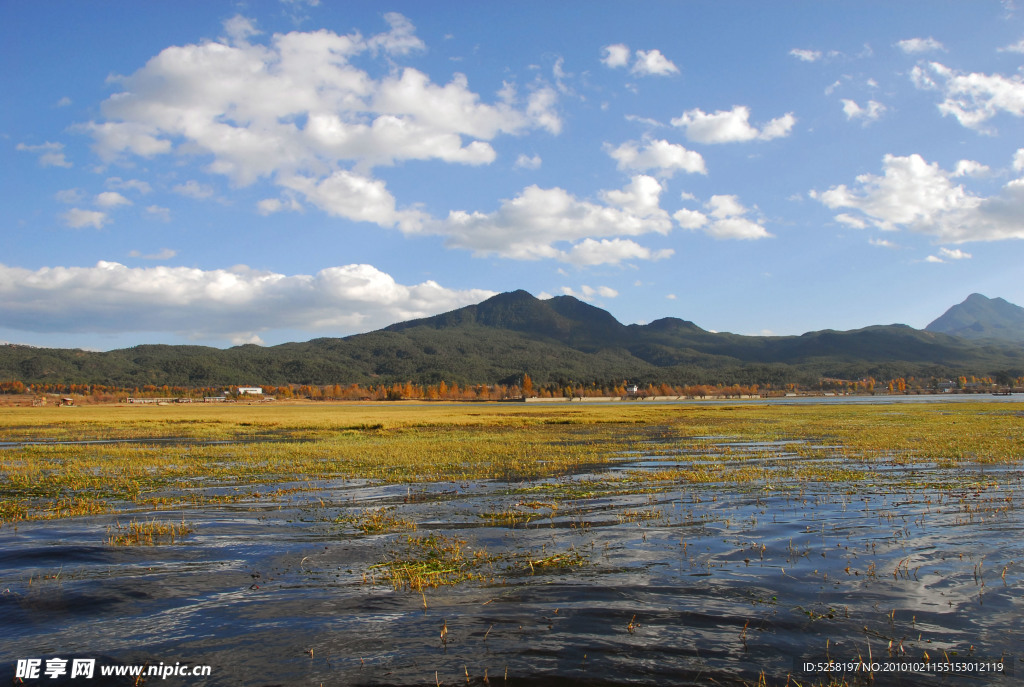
223,173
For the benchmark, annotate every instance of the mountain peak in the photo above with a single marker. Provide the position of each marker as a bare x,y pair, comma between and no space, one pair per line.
980,317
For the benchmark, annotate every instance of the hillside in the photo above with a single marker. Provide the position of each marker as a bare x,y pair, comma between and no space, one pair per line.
557,340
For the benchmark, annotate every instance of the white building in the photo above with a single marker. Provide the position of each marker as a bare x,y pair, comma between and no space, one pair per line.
252,390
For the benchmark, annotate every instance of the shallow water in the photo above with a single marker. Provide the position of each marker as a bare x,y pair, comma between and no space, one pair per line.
660,584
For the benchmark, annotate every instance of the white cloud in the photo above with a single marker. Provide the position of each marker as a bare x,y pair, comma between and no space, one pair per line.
240,29
119,184
69,196
294,109
401,39
659,156
228,304
64,102
612,252
934,258
1017,47
972,98
193,189
615,55
646,62
111,199
970,168
76,218
269,206
728,126
868,114
529,226
882,243
727,220
158,212
588,293
526,162
954,254
1018,160
51,154
355,197
806,55
298,105
851,221
916,46
921,197
653,63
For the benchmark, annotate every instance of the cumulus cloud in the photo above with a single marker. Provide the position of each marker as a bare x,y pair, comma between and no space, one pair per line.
588,293
51,154
233,304
868,114
612,252
659,156
539,222
527,162
70,196
615,55
919,196
1017,47
1018,160
111,199
972,98
916,46
729,126
653,63
971,168
119,184
726,218
77,218
806,55
645,63
193,189
295,110
355,197
954,254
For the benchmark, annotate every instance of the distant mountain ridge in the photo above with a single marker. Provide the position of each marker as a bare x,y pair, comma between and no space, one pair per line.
979,317
555,340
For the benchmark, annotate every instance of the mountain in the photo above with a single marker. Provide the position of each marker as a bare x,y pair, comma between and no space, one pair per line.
559,340
979,317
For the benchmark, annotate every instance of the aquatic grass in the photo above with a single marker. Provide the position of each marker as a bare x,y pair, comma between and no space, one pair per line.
433,561
151,533
377,521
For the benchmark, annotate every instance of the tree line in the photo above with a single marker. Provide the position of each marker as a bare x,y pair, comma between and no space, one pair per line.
523,387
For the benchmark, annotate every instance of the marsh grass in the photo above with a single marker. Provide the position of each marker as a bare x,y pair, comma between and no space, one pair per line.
433,561
401,443
150,533
377,521
418,563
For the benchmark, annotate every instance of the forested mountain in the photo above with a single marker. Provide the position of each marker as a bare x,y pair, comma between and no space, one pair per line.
557,340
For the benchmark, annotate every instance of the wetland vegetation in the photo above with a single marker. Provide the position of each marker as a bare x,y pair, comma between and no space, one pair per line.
494,543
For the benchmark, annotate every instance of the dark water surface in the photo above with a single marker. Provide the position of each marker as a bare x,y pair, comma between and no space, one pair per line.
693,584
